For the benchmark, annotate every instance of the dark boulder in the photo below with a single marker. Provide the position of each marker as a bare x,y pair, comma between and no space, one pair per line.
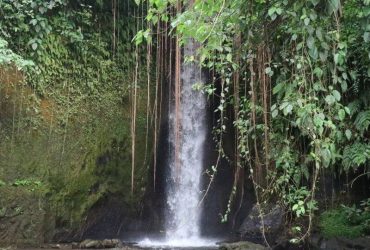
339,243
107,219
273,221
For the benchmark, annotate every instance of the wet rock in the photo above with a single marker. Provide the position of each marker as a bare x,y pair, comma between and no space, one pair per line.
75,245
241,245
22,217
273,220
55,246
331,244
95,244
111,243
339,243
61,235
108,218
86,244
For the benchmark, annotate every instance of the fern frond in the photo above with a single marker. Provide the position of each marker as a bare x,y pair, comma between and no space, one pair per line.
354,106
355,155
362,121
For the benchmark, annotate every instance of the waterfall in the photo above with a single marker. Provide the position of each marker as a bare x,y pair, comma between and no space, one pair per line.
187,135
184,190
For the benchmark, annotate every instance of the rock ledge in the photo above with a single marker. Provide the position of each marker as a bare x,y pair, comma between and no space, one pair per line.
241,245
98,244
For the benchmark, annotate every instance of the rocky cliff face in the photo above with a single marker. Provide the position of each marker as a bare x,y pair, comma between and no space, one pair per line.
23,222
60,164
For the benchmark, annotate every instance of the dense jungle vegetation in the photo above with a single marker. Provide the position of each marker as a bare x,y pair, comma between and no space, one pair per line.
81,87
293,77
66,74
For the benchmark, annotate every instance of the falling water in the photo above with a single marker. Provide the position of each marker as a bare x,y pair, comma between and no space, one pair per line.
184,189
185,169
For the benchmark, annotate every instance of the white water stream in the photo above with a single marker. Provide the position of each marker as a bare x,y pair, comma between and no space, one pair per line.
184,186
185,192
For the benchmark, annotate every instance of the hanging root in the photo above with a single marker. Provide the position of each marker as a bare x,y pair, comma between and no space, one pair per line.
133,120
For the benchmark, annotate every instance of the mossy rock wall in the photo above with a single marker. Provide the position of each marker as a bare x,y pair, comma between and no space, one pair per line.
58,161
22,217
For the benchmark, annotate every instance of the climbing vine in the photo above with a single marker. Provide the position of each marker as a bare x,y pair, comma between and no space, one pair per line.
296,75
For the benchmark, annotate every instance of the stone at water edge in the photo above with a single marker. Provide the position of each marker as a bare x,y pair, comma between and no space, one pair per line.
319,242
112,243
241,245
95,244
86,244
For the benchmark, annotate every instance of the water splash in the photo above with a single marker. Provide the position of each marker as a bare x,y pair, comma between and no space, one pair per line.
193,243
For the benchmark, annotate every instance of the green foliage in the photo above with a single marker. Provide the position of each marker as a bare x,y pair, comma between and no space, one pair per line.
362,121
28,21
315,57
30,184
355,155
349,222
335,223
8,57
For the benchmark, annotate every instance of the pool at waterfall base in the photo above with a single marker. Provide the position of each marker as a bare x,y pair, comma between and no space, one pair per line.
190,243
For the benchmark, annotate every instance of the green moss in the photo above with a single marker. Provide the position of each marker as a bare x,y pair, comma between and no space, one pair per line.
22,213
78,164
337,223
